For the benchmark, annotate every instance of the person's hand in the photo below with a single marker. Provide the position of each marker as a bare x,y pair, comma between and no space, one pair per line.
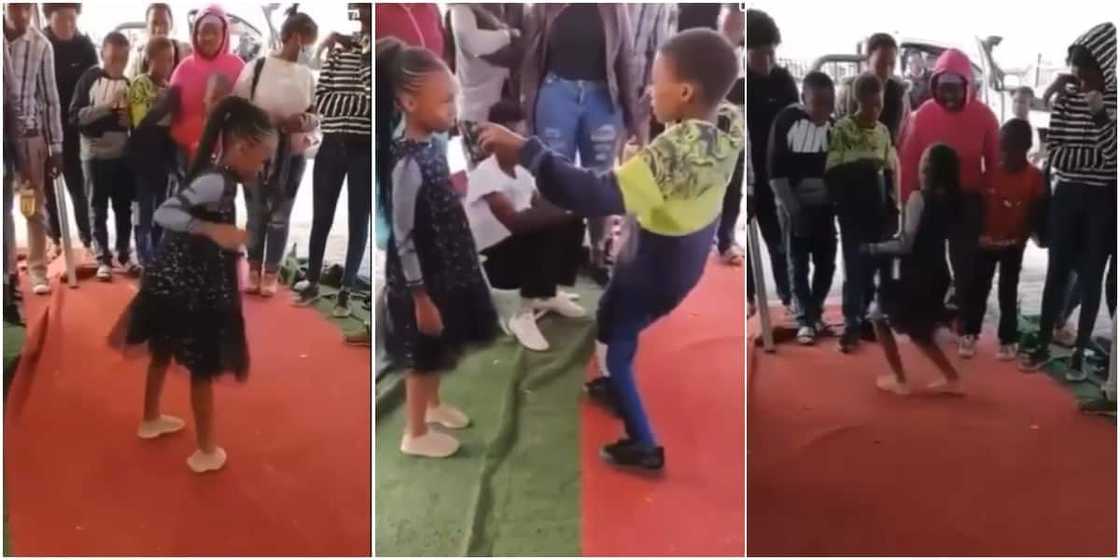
501,141
333,39
54,165
428,319
227,236
514,34
1095,100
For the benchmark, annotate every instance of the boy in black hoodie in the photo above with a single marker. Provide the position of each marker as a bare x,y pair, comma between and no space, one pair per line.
770,89
1082,229
74,53
100,111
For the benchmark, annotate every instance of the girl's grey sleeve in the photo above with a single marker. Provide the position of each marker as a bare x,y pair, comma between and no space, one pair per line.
407,181
175,213
902,243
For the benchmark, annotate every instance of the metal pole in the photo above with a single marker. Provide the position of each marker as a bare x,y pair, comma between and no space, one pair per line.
1110,386
754,253
64,225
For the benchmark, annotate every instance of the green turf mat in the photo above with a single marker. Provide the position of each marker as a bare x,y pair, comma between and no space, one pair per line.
359,318
14,337
513,488
1084,391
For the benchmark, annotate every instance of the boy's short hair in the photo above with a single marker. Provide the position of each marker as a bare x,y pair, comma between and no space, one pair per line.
703,57
116,39
866,84
1016,133
761,30
157,45
816,81
49,8
1023,90
506,113
879,41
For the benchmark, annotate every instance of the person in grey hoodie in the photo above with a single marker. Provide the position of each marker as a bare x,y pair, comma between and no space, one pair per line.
100,111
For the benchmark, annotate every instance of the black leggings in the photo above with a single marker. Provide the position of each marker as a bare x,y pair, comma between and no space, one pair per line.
75,185
341,157
1082,235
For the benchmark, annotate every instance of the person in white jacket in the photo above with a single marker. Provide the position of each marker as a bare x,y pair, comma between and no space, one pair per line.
479,33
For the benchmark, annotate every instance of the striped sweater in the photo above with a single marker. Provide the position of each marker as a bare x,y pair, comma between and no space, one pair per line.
344,96
1082,144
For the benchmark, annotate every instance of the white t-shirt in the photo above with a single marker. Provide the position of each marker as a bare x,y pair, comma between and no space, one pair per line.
488,178
284,88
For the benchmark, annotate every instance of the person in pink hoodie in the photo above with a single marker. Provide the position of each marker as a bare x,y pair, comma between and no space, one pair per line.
957,118
194,75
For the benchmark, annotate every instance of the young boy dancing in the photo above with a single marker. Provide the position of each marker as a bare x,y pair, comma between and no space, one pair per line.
673,189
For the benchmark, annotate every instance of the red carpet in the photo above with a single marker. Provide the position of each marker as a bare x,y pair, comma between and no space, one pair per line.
838,467
79,482
690,373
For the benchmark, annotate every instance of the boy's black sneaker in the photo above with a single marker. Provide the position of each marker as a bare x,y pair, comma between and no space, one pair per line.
849,340
1076,372
307,296
341,305
1034,360
601,391
629,453
867,332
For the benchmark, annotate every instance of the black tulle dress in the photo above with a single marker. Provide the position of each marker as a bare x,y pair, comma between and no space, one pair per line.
914,301
189,303
449,263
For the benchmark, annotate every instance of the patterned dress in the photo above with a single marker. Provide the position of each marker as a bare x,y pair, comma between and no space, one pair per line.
189,304
431,246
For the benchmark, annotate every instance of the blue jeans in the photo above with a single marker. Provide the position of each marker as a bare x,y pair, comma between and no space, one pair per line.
269,210
579,117
149,196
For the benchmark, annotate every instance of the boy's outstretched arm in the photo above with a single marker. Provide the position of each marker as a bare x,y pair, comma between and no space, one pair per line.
583,191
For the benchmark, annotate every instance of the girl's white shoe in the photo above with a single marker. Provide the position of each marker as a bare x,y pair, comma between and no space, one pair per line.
163,425
435,445
201,462
447,416
601,358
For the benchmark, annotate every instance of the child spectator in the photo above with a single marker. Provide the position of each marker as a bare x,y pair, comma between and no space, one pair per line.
37,116
860,172
673,190
101,112
529,244
149,148
798,153
1021,100
1011,210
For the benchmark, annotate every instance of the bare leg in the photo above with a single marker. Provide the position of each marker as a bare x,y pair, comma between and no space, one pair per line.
433,393
416,401
202,403
935,355
157,372
890,348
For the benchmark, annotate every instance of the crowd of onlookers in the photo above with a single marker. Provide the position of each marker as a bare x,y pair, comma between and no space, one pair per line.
860,153
118,123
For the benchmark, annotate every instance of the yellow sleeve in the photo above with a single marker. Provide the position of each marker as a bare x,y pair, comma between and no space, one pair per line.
638,184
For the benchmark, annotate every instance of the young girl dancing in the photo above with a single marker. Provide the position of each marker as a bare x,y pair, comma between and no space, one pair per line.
189,306
436,297
913,299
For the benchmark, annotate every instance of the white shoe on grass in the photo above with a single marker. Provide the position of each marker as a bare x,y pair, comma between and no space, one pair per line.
434,445
447,416
524,327
560,305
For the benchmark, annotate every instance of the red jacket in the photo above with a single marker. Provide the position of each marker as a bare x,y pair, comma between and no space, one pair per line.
417,25
1010,203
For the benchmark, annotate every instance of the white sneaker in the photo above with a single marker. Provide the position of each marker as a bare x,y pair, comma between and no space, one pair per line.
433,444
165,424
966,348
806,335
560,305
201,462
601,358
523,325
40,286
1007,352
301,285
1065,336
104,272
447,416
